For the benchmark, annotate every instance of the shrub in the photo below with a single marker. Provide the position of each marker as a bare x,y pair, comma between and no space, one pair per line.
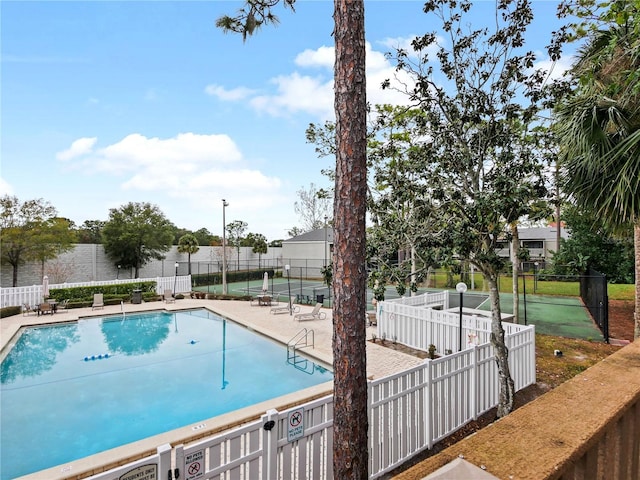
10,311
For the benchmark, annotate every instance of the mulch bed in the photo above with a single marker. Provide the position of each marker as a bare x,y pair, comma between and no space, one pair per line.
621,319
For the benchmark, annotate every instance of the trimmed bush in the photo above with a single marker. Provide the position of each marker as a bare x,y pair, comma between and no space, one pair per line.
10,311
113,294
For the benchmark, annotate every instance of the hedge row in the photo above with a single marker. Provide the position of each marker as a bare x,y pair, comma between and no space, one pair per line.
112,294
202,279
10,311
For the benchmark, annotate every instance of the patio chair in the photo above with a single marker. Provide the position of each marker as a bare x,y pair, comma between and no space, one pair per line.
98,301
315,314
371,318
45,307
26,309
168,296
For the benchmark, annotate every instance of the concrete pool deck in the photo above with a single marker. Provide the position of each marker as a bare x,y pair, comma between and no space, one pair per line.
381,362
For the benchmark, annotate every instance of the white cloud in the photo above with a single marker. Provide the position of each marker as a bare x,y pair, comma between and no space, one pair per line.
80,147
299,93
322,57
189,167
556,69
5,187
235,94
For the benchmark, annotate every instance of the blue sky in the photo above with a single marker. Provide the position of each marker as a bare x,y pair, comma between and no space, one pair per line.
108,102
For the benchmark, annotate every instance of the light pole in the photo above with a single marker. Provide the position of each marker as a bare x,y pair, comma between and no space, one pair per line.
224,248
535,276
287,267
175,280
460,288
325,241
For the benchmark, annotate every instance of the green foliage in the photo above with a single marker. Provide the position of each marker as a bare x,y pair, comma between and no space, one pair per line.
258,244
90,231
451,174
188,244
235,232
327,274
598,123
593,244
116,291
9,311
204,279
135,233
252,16
31,230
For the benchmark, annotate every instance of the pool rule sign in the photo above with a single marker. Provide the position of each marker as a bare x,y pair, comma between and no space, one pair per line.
194,465
295,424
143,472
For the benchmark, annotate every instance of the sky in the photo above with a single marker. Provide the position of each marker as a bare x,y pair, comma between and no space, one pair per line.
105,103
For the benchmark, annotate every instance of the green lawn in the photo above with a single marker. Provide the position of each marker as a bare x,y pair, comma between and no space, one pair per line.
548,287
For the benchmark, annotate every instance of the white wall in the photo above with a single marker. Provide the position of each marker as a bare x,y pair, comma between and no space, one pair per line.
88,262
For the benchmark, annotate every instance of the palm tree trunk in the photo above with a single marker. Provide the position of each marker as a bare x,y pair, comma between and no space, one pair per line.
636,247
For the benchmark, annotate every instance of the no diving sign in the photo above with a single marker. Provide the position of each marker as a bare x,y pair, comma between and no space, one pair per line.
194,465
295,424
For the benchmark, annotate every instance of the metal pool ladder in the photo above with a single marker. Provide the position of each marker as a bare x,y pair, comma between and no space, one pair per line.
303,339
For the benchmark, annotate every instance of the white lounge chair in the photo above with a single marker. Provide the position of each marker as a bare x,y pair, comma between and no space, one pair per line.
315,314
98,301
288,307
168,296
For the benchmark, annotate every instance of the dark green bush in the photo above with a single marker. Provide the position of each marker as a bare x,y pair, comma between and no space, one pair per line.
199,280
121,291
10,311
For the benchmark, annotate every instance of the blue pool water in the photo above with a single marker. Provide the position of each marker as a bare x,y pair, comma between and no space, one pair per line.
72,390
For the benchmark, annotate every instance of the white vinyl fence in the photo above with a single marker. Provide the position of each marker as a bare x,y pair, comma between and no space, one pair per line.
414,322
17,296
408,413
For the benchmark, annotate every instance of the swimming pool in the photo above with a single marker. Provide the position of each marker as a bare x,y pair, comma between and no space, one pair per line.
72,390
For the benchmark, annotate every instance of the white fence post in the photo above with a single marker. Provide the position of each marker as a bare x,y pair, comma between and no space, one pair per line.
164,461
270,435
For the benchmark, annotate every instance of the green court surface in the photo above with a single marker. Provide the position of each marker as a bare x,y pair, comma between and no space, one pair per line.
552,315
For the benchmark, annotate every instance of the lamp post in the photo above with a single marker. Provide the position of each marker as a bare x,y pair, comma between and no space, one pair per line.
535,276
224,248
325,241
460,288
287,267
175,279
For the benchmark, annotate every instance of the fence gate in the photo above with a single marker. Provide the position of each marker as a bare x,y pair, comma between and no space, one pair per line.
593,291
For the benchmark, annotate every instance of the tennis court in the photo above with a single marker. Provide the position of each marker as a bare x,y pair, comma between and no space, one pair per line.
552,315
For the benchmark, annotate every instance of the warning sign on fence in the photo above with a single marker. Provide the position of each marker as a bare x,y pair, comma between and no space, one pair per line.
144,472
295,424
194,465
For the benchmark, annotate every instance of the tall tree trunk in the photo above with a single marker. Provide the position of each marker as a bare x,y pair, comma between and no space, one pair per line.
507,388
515,273
636,248
350,424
